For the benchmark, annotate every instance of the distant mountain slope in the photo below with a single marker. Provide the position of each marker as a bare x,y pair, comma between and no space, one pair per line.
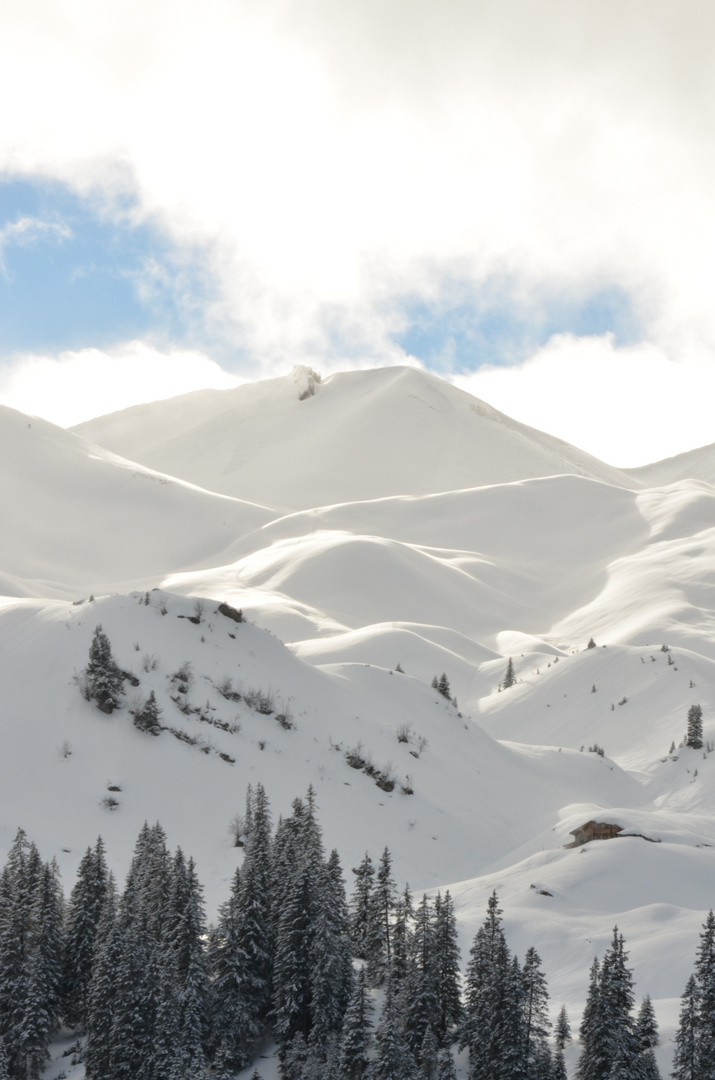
362,435
698,464
74,517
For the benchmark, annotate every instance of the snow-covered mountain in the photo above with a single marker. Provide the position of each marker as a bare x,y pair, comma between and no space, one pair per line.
372,520
297,443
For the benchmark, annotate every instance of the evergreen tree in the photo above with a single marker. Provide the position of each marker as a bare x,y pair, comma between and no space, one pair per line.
233,1031
428,1055
705,983
101,989
607,1029
104,679
509,676
355,1037
446,969
360,905
535,1012
685,1059
558,1069
694,736
418,1001
382,907
444,687
84,909
393,1060
147,718
331,962
402,940
183,955
445,1065
243,945
562,1032
293,968
487,1000
592,1064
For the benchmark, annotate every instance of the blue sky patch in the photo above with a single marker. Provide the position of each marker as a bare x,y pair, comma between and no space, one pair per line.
72,276
493,330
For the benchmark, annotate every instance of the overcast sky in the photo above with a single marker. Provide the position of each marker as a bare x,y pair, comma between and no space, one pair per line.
517,195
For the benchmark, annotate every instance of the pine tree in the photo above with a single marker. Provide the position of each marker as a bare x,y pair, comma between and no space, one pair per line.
84,909
104,678
445,1065
101,989
182,941
428,1055
685,1059
331,962
393,1060
382,907
419,1007
403,920
607,1028
147,718
562,1032
360,907
444,687
592,1064
535,1011
509,676
446,969
694,737
705,982
487,998
355,1037
293,967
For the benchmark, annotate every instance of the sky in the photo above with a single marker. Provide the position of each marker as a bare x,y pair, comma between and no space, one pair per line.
515,196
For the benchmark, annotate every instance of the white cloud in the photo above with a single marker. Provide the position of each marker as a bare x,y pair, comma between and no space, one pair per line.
324,161
332,158
76,386
627,406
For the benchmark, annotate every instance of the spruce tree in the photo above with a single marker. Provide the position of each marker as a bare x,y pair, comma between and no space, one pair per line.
445,1065
685,1059
535,1012
705,982
382,907
418,1002
331,962
104,678
562,1031
694,737
84,909
147,718
487,999
393,1060
446,969
355,1036
360,904
101,989
509,676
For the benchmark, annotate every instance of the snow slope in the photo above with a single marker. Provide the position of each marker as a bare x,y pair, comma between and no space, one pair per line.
362,435
387,519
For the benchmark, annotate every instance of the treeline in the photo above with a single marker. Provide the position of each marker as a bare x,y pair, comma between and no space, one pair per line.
153,994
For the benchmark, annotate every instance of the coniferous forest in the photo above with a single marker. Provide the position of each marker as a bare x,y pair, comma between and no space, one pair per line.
369,988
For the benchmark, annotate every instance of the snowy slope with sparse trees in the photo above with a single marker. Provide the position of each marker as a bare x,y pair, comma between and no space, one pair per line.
467,638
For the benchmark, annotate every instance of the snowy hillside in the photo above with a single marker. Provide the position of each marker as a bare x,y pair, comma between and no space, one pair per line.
358,435
376,532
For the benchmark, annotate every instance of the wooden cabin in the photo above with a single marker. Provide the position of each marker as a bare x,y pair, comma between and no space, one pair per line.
593,830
